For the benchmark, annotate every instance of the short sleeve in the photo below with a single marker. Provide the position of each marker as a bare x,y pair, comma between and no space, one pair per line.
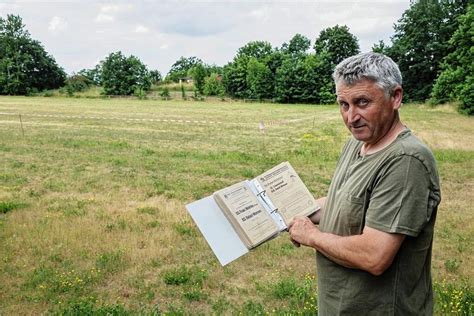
399,201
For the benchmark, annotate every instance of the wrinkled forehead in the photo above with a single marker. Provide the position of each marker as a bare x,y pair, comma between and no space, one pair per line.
361,83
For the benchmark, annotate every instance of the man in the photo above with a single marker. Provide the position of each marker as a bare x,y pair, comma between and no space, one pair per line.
376,224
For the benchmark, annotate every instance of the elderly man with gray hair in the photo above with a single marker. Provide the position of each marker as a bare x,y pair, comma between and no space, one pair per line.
375,234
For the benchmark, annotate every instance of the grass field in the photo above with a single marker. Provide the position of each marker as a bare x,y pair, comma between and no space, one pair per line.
92,195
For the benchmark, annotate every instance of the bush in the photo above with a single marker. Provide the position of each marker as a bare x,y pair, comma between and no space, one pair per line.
77,83
165,94
467,97
213,85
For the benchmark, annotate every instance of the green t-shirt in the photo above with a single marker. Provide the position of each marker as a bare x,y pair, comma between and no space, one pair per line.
395,190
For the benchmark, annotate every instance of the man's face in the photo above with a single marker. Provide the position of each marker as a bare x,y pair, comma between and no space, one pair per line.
367,112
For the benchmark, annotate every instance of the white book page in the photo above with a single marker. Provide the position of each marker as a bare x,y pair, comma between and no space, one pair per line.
216,229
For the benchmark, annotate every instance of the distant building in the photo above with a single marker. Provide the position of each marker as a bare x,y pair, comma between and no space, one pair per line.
186,80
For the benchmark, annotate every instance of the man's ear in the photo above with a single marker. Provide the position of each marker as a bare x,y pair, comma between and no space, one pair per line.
397,97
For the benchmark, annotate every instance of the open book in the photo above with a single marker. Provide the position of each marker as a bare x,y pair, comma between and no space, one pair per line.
246,214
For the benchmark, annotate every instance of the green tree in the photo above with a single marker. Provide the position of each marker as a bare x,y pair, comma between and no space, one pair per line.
155,76
94,74
235,78
181,68
337,42
198,73
124,75
305,80
235,73
213,85
298,45
290,82
456,81
380,47
259,79
256,49
24,64
421,41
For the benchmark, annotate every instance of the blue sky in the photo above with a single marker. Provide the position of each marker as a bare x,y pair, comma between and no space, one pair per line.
80,33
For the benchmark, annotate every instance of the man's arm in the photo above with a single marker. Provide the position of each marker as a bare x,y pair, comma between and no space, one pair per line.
372,251
316,217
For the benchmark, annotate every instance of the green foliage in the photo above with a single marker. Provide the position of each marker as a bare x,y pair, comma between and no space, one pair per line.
110,262
213,85
421,41
183,275
165,93
155,76
140,93
284,288
181,68
256,49
93,75
337,42
183,92
298,45
452,265
290,86
25,66
124,75
7,206
48,283
77,83
289,74
194,294
259,80
454,298
467,96
184,229
456,81
236,79
380,47
198,73
299,295
252,308
304,80
178,276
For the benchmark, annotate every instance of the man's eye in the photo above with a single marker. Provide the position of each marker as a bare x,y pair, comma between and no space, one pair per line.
344,105
363,102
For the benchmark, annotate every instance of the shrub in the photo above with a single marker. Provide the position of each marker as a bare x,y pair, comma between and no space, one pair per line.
165,94
213,85
77,83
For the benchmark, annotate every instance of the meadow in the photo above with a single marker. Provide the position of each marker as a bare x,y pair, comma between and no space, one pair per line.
93,194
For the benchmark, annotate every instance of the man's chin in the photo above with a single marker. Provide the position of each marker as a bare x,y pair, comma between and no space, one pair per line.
360,136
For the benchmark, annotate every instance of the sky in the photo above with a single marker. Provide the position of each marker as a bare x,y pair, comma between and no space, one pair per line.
81,33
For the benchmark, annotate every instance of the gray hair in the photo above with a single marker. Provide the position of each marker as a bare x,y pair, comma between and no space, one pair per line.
380,69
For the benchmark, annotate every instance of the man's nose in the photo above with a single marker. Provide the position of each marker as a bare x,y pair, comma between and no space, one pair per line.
352,114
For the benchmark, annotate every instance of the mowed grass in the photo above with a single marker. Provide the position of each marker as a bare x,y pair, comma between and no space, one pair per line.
92,196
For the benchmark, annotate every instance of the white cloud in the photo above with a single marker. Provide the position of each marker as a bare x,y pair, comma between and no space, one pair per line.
141,29
57,24
104,18
114,8
164,46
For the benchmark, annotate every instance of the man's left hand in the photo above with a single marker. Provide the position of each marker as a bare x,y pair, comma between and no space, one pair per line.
302,231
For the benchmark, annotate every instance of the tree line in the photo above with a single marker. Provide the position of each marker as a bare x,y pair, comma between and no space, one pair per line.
432,44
